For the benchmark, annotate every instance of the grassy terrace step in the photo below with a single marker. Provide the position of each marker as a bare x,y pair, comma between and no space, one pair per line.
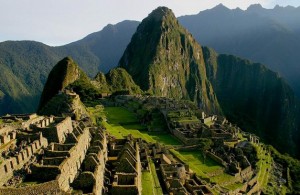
121,122
264,166
205,168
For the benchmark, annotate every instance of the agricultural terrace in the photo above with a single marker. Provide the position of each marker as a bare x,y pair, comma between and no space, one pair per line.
206,168
121,122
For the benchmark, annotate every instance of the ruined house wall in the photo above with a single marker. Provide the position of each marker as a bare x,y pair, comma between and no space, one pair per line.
100,169
7,137
186,141
14,163
125,190
26,124
247,173
216,158
51,187
138,169
254,189
55,132
70,166
99,175
63,128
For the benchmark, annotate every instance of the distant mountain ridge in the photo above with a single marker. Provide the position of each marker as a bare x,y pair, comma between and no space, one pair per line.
28,63
268,36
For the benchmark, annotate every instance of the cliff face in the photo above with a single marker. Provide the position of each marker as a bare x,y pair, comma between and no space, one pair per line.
165,60
255,98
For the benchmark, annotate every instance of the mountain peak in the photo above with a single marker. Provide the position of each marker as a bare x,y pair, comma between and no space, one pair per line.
165,60
63,73
255,7
220,7
160,13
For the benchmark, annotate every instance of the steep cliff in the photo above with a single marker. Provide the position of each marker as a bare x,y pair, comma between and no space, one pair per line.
165,60
256,98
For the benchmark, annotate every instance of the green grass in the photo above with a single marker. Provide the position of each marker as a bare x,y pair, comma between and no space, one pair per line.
192,165
203,167
117,115
157,188
121,122
164,138
234,186
147,183
264,166
223,178
206,165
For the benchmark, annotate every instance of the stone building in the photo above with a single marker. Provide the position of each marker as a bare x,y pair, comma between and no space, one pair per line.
58,153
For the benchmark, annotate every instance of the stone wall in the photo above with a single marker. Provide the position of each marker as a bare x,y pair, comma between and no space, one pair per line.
49,188
57,131
69,167
186,141
125,190
27,124
7,137
216,158
247,173
14,163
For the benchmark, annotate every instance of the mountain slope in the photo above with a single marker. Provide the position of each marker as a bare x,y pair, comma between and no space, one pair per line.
256,98
268,36
30,62
108,44
165,60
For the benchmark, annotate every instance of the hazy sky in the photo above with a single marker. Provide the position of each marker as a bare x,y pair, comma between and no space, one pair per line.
57,22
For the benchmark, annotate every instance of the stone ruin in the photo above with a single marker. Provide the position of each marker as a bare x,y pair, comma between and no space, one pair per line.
58,154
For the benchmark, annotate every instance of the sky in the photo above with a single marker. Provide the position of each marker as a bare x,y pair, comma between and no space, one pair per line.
58,22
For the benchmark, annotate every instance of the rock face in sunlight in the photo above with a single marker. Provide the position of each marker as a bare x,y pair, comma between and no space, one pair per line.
165,60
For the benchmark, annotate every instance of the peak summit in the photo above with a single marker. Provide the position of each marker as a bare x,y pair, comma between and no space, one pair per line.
161,12
165,60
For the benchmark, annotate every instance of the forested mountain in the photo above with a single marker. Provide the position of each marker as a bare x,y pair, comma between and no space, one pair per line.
26,64
268,36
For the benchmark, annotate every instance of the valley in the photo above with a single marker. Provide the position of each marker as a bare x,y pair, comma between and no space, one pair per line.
166,116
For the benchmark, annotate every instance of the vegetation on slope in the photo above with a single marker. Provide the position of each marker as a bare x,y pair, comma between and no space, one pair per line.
268,36
255,98
165,60
63,73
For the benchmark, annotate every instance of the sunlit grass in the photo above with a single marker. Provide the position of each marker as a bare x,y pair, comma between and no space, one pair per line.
121,122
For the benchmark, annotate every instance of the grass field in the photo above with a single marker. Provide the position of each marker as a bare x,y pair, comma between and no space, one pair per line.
264,165
157,188
203,167
147,183
206,165
121,122
193,164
